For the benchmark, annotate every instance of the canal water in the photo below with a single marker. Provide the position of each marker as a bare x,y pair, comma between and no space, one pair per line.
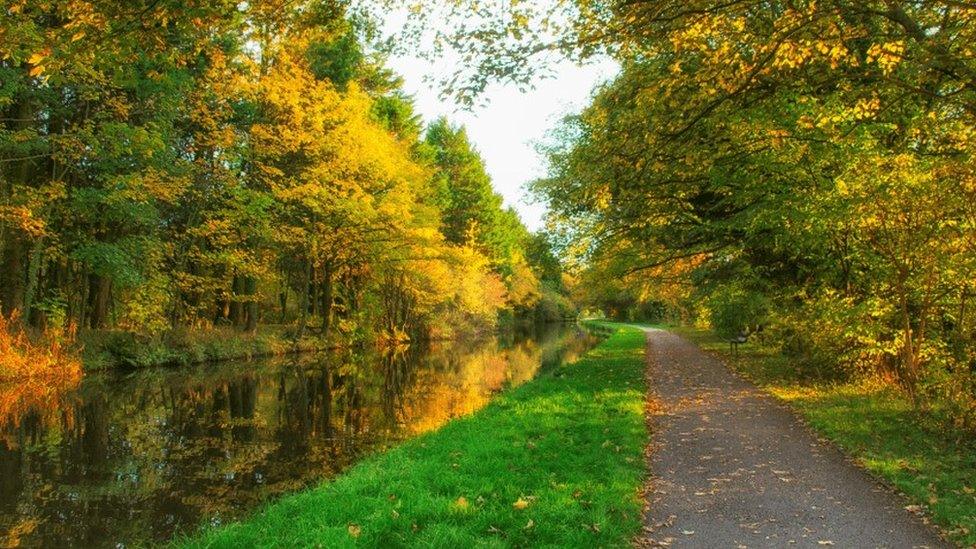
133,459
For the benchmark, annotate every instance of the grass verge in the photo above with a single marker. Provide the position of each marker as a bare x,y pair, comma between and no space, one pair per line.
878,426
183,347
555,462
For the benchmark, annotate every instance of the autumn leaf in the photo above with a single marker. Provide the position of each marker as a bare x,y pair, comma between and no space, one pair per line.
520,504
354,530
38,57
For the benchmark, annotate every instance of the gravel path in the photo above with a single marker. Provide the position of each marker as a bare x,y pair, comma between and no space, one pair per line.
733,468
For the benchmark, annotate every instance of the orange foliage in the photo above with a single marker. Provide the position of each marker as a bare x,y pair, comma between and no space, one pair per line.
43,372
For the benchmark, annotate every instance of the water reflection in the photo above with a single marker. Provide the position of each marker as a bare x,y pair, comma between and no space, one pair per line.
125,460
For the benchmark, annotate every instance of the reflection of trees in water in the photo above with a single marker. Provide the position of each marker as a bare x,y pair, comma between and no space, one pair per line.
133,458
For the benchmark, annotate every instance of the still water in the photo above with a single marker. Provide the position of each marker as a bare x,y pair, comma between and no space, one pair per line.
131,459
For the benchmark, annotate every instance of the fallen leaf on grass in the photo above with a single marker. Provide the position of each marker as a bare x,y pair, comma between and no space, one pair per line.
529,524
520,504
355,530
461,502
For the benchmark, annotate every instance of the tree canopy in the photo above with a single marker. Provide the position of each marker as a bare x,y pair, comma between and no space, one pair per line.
168,164
800,165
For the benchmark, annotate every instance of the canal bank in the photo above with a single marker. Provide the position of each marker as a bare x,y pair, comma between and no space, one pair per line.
558,461
130,458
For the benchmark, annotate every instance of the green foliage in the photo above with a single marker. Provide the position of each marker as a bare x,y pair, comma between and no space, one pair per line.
735,311
336,60
167,165
765,164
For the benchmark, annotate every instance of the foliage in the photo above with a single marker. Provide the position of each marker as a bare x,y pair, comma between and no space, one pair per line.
734,311
183,347
803,165
558,461
171,165
36,373
23,357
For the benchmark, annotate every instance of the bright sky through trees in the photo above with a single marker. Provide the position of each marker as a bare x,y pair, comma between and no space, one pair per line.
508,122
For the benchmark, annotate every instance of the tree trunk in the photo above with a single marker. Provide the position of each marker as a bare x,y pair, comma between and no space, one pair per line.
236,307
14,260
303,318
99,299
33,272
908,347
251,288
327,292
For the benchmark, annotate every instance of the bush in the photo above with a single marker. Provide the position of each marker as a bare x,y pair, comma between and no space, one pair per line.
734,310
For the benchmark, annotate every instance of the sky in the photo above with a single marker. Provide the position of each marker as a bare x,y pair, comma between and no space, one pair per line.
506,129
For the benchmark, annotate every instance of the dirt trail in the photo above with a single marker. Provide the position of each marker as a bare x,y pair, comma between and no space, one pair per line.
734,468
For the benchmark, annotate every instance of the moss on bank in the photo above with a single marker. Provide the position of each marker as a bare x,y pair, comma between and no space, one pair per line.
935,467
109,349
557,461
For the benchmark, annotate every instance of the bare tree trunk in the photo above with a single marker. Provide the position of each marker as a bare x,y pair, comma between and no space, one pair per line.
303,318
908,347
33,272
236,307
251,288
327,297
13,275
99,299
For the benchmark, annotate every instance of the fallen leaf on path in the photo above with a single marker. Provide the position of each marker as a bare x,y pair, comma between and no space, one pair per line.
825,542
688,532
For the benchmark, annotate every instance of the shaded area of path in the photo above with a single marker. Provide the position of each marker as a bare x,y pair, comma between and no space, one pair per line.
733,468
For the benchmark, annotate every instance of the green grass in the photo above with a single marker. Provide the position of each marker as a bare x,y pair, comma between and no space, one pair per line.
555,462
933,466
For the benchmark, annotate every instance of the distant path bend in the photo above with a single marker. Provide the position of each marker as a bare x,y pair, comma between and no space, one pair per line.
731,467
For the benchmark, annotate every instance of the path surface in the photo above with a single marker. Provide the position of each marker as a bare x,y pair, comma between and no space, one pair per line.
734,468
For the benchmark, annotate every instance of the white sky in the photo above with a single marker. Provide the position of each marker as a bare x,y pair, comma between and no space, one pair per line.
507,128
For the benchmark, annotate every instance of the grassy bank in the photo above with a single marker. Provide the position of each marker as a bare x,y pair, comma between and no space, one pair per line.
557,461
933,466
109,349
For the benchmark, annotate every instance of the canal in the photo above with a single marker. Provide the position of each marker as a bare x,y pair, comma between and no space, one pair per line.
129,459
